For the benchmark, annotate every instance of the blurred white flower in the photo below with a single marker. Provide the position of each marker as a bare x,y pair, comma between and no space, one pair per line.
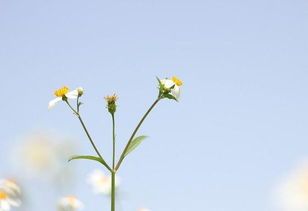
174,81
100,182
43,156
10,186
64,92
143,209
293,191
69,203
9,194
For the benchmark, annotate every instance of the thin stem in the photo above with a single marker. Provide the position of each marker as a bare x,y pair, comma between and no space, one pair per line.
87,133
78,105
135,131
113,141
89,137
113,164
113,174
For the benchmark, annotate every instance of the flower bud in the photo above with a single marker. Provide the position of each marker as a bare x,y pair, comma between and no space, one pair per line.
111,103
80,91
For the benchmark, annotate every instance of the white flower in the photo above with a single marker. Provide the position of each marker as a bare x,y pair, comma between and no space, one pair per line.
70,203
43,156
38,154
175,83
6,202
9,194
293,192
64,92
100,182
143,209
10,186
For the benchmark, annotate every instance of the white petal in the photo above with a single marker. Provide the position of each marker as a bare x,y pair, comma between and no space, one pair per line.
167,83
4,205
99,182
9,186
53,102
176,92
14,202
70,203
73,94
78,204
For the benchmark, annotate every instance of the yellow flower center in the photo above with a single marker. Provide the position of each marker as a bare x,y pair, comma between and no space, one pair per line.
177,81
61,92
71,199
3,195
104,180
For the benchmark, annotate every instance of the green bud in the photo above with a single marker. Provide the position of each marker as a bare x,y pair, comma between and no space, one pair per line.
111,103
80,91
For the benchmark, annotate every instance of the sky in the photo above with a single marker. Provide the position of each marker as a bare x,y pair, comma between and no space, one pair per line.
239,127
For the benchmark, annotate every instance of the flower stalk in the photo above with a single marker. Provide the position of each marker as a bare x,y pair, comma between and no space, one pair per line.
112,107
113,141
113,172
113,189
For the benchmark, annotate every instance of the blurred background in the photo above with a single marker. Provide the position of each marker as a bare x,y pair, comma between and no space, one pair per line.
236,141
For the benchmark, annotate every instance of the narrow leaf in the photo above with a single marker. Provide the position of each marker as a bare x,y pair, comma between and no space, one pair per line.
169,96
134,144
89,157
159,82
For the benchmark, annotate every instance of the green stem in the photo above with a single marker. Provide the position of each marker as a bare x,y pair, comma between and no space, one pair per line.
78,104
87,133
113,141
113,174
89,137
135,131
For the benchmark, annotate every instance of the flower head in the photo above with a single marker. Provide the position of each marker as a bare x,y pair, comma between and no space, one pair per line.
70,203
61,92
143,209
100,182
10,186
111,103
170,88
177,81
41,155
111,98
9,194
64,94
293,192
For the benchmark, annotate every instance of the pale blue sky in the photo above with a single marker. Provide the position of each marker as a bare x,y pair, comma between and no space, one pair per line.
240,125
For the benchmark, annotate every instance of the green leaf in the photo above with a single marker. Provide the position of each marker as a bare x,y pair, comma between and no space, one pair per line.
135,142
169,96
89,157
159,82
